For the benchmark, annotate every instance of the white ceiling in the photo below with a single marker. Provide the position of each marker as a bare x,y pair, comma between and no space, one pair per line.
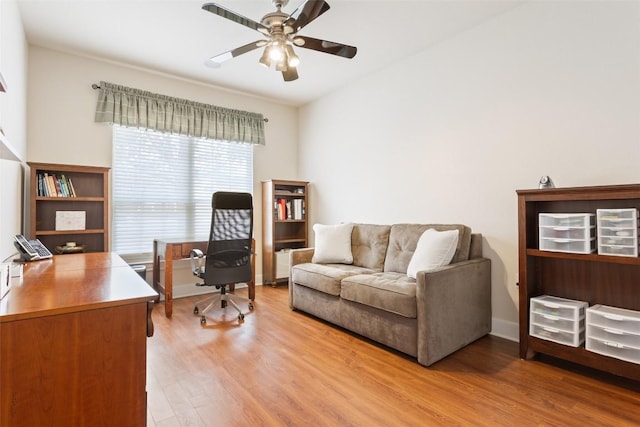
176,37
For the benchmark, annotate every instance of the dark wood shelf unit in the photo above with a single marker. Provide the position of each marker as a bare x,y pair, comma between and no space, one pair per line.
92,196
281,234
596,279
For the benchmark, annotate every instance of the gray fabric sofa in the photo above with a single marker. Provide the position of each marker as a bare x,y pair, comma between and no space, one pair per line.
429,317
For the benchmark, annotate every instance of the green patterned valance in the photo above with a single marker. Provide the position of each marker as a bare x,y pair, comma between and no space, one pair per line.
136,108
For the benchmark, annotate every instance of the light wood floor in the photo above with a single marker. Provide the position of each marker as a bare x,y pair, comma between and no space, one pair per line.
284,368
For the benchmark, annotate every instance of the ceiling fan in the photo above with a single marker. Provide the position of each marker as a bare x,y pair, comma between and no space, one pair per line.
281,34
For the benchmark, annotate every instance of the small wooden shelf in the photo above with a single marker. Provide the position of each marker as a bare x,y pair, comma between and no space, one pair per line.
67,232
584,257
282,234
593,278
70,199
290,241
92,196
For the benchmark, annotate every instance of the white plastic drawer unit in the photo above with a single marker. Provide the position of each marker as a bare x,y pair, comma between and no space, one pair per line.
618,232
557,319
614,332
559,307
569,232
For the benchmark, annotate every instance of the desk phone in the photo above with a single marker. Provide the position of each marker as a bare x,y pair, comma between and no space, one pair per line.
31,250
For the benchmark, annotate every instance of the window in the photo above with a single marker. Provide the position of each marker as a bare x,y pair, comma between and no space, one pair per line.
163,183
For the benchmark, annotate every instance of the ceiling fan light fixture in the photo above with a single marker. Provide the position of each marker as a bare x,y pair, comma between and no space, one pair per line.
276,53
282,65
292,59
281,36
265,59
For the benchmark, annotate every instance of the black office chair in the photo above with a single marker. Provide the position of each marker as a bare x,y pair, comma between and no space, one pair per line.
228,259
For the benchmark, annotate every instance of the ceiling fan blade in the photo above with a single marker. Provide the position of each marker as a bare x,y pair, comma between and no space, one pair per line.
228,14
332,48
216,61
305,13
290,74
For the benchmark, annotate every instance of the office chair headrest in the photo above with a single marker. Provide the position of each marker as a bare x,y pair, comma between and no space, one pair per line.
231,200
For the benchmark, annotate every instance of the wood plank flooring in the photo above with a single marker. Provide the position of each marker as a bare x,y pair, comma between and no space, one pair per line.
285,368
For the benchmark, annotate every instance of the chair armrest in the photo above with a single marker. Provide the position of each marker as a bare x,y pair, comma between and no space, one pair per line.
454,307
297,256
197,262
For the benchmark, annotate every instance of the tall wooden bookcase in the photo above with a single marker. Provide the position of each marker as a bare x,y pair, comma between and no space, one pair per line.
91,186
284,223
596,279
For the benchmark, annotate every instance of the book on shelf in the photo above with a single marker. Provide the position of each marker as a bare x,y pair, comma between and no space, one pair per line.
288,209
56,184
43,185
282,209
72,189
64,186
298,212
51,185
40,189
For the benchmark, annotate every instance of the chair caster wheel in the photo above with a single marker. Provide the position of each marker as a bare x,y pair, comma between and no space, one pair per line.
195,310
203,320
240,316
250,306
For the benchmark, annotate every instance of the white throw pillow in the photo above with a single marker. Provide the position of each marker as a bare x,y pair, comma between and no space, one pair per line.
333,244
434,249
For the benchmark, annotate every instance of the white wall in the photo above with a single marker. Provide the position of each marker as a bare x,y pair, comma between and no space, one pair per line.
13,120
61,106
549,88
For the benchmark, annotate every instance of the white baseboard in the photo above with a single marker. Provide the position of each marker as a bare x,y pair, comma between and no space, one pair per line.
505,329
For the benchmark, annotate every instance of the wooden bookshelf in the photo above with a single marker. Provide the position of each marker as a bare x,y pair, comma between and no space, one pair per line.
284,223
593,278
91,185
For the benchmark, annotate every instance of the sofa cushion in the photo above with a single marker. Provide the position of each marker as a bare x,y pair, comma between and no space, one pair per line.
324,277
333,243
392,292
403,240
369,245
434,249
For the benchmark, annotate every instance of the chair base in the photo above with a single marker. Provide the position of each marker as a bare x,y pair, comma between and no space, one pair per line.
223,298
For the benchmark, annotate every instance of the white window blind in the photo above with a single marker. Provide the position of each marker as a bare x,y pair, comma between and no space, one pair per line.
163,183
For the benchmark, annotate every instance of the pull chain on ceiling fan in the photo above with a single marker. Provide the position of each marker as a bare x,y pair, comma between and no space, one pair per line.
280,31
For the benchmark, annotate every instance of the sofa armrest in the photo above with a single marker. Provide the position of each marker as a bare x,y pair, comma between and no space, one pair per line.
297,256
300,256
454,308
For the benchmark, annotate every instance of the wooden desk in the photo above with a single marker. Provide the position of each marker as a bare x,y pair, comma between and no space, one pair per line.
73,334
169,250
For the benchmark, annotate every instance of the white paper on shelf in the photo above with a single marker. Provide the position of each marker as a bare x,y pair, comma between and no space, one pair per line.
70,220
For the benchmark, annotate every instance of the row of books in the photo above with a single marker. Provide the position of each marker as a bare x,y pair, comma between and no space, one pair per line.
289,209
53,185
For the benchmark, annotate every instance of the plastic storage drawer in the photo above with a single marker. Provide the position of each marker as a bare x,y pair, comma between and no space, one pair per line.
615,318
570,232
558,319
614,332
560,307
613,335
611,349
554,322
561,337
618,232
